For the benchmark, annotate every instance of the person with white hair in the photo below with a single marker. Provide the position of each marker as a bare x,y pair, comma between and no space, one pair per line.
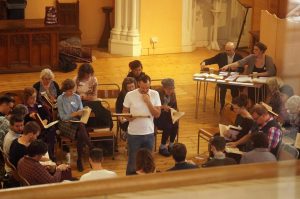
48,85
293,108
224,58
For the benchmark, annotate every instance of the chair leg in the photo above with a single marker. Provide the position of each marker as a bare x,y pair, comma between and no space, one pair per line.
155,136
113,142
198,144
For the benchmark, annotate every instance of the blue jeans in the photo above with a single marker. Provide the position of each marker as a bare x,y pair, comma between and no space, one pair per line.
135,142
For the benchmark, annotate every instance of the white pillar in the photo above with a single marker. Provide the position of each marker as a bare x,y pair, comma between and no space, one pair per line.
125,19
129,42
216,12
115,32
188,25
133,18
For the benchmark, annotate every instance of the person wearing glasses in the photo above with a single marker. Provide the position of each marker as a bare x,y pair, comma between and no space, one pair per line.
222,59
265,123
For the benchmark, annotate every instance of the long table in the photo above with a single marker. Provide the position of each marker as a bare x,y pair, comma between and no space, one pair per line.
206,80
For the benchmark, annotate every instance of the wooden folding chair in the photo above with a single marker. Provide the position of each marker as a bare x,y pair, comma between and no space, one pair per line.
14,172
108,94
204,135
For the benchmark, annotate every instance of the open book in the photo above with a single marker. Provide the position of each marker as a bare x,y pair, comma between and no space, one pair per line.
130,115
206,75
47,99
229,132
233,150
86,112
176,115
44,123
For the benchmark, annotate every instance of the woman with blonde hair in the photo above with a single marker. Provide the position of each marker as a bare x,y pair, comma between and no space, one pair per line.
48,85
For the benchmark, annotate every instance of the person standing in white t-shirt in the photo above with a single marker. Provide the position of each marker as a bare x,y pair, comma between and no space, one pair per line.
143,104
97,172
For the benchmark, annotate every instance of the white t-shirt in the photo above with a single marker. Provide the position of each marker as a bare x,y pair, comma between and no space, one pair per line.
134,101
98,175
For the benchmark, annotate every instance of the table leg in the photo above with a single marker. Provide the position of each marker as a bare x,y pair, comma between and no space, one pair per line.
204,96
198,92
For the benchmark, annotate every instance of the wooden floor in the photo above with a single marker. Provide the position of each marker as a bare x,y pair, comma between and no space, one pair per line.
112,69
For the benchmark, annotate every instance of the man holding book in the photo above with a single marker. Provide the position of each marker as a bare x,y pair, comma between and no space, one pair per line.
140,102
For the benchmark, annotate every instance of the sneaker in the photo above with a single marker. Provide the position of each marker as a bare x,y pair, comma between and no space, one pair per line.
164,152
79,166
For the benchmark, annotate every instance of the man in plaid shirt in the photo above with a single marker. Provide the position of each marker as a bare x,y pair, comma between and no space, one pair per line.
31,169
268,125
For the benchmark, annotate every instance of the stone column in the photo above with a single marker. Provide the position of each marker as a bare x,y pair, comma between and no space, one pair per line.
115,32
188,25
128,44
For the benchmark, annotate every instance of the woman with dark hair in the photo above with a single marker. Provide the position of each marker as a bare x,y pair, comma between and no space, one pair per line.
136,69
86,87
144,162
34,108
164,122
243,118
257,64
129,84
70,108
86,83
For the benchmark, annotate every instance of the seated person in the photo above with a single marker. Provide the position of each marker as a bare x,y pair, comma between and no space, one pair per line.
243,118
136,70
179,155
86,87
19,146
48,85
144,162
164,122
261,152
6,105
97,172
217,148
70,108
31,169
14,132
222,59
265,123
257,64
129,84
34,107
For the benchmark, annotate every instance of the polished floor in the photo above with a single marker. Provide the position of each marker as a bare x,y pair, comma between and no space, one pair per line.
112,69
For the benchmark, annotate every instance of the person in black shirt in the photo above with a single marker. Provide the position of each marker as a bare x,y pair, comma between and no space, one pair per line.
217,147
129,84
18,148
136,70
179,155
222,59
6,105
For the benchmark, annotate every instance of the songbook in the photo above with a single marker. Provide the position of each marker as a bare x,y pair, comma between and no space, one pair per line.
262,80
229,132
233,150
130,115
244,78
297,141
231,77
176,115
47,99
86,112
44,123
206,75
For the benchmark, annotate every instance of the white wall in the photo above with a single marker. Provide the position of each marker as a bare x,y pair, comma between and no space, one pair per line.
230,22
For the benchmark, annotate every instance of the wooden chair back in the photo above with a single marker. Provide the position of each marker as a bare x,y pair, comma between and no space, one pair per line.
108,93
68,13
14,172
